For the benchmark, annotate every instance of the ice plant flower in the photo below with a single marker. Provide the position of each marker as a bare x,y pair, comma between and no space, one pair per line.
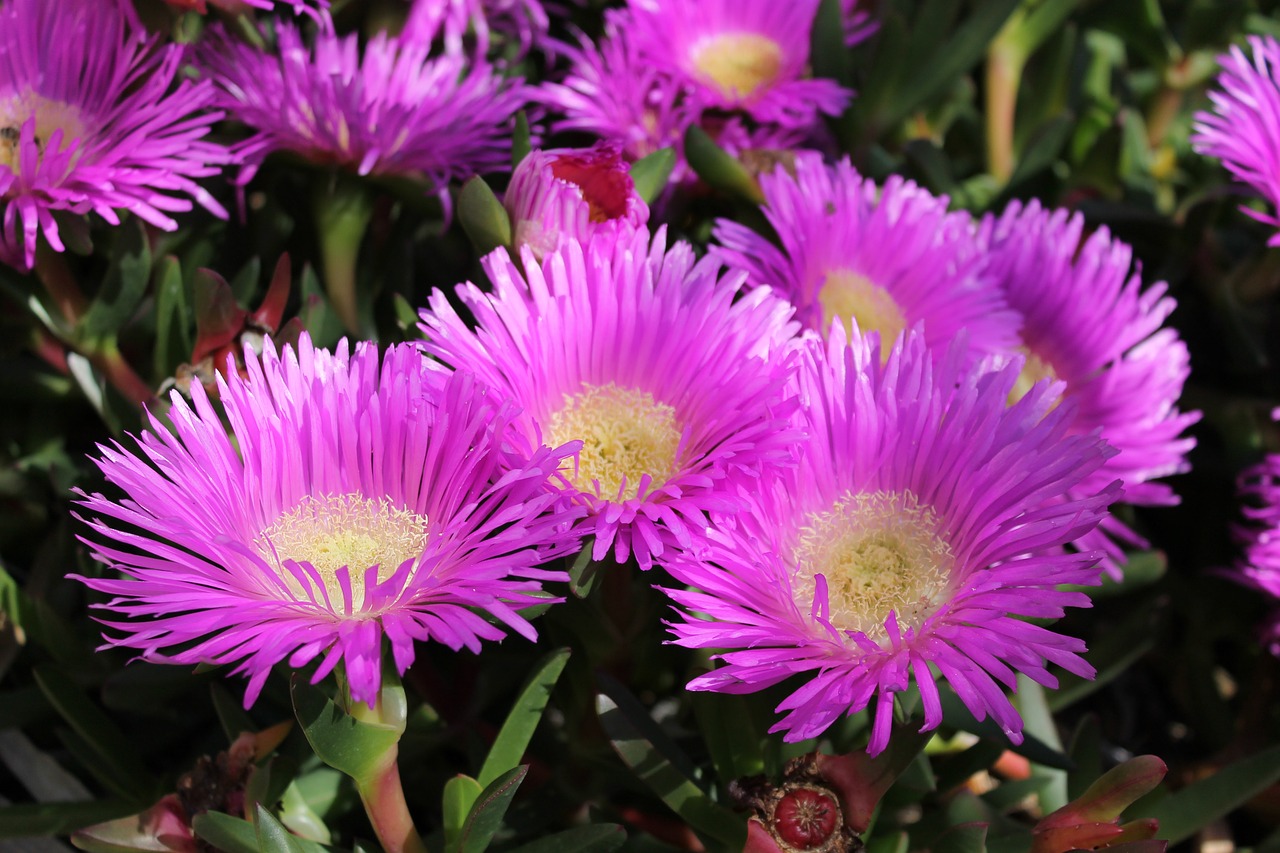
570,192
1243,130
1088,322
676,389
452,20
914,534
387,109
355,501
1259,567
748,55
858,24
92,121
885,258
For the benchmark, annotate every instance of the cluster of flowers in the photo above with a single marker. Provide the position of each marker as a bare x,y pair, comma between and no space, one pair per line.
867,454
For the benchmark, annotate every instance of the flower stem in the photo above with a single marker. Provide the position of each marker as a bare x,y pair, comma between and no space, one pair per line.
384,803
343,211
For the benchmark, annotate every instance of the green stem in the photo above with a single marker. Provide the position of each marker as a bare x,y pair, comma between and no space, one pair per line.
342,211
1004,75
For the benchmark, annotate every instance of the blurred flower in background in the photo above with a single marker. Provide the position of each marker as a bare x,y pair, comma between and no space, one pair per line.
1260,537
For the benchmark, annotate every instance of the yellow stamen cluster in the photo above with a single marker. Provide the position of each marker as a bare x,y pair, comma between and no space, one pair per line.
1034,369
335,531
738,64
879,552
852,296
51,116
625,433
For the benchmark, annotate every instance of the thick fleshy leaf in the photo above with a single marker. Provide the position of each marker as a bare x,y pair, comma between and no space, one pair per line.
593,838
649,174
272,835
963,838
1190,809
219,320
718,167
485,818
357,748
460,794
512,740
660,764
173,341
163,827
128,273
483,217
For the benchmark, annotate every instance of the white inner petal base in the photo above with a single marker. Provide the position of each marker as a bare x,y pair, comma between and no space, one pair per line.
879,552
625,433
852,296
17,107
738,64
333,531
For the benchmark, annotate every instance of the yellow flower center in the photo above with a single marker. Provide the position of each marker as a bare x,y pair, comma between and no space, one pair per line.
51,116
738,64
335,531
879,552
852,296
625,434
1034,369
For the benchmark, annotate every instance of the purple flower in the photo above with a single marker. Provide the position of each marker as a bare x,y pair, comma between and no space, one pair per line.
886,257
1243,131
355,500
858,24
748,55
1260,536
915,534
91,122
389,109
452,20
1089,324
676,389
572,192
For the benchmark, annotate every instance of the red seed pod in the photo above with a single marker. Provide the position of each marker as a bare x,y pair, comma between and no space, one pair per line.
806,817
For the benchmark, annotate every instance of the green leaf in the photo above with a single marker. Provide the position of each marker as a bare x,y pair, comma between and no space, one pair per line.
230,713
719,168
356,748
483,217
1039,722
650,173
145,831
520,144
38,621
734,743
128,271
1190,809
173,342
485,818
1113,654
272,836
964,838
828,54
1043,148
513,739
460,794
594,838
108,746
226,833
26,820
661,765
584,571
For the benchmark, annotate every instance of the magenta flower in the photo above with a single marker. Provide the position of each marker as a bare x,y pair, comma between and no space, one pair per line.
1243,131
748,55
390,109
452,21
676,389
1089,324
356,501
91,121
887,258
572,193
858,23
1260,537
914,534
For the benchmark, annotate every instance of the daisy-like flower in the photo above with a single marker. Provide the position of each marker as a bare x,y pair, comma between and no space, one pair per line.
1260,536
91,121
915,534
1089,323
885,258
1243,131
355,501
858,23
572,192
676,389
390,109
314,9
748,55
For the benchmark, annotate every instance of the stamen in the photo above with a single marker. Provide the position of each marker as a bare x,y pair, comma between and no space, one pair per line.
625,434
738,64
852,296
51,116
879,552
1034,369
335,531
